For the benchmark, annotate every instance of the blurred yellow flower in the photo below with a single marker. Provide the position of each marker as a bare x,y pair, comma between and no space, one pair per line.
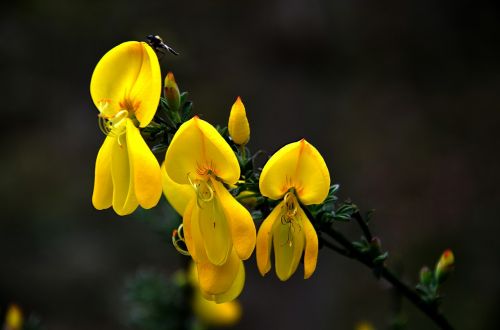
14,318
296,173
238,126
126,87
364,326
219,232
209,312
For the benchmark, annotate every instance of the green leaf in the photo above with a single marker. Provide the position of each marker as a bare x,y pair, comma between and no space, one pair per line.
381,258
183,97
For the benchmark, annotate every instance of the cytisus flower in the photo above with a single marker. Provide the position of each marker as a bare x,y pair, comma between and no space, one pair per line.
219,232
126,87
296,174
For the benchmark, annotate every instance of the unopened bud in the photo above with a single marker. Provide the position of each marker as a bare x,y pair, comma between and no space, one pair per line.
172,93
247,198
238,126
376,243
425,275
445,265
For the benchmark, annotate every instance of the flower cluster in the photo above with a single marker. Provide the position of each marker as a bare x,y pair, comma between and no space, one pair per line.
198,176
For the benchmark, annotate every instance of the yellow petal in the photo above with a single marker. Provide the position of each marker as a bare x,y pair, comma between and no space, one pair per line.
128,74
188,231
217,280
243,233
288,241
214,314
178,195
264,239
145,168
197,146
238,126
311,250
102,198
297,165
124,201
214,230
233,292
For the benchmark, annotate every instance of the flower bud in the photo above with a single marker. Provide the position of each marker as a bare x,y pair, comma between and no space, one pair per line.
171,92
238,126
14,318
425,275
445,265
376,244
247,198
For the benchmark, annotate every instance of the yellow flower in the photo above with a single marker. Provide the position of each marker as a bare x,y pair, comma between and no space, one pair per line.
364,326
238,126
220,315
126,87
219,232
13,318
297,172
209,312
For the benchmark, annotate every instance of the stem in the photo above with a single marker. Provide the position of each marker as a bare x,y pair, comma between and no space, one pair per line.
364,226
242,151
335,248
386,274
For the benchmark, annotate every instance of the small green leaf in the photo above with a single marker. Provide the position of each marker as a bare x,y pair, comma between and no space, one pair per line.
381,258
183,97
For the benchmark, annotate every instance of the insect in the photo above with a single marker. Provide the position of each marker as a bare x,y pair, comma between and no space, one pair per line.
156,42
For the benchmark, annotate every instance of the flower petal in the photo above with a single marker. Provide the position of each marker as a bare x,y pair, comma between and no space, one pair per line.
128,72
145,169
192,245
102,197
197,145
311,250
264,239
148,86
233,292
214,230
288,241
178,195
243,233
124,201
297,165
217,280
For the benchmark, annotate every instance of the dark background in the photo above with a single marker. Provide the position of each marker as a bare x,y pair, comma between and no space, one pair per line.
401,98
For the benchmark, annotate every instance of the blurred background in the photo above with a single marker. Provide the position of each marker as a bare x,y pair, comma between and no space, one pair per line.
401,98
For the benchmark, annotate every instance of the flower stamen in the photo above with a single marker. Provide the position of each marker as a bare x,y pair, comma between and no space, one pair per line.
177,237
204,192
289,216
112,125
